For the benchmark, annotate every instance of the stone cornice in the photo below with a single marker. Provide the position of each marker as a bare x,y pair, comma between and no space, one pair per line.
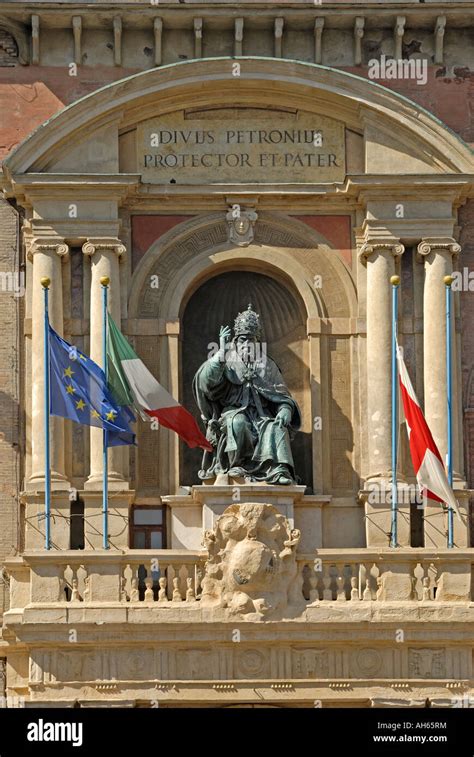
103,243
127,190
54,13
30,187
366,187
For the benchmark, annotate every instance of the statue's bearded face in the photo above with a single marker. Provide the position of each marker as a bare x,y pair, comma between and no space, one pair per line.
246,347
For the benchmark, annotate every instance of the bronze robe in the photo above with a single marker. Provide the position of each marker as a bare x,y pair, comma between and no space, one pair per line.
239,402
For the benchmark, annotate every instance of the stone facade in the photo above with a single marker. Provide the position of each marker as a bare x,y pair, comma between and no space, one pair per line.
208,113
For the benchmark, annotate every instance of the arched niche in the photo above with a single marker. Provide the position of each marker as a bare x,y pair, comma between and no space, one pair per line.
216,302
290,254
186,254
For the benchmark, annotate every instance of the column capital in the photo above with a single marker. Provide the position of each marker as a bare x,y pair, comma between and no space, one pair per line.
104,243
57,246
435,244
372,246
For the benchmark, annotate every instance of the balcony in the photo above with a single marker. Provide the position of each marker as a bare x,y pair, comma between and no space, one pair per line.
171,580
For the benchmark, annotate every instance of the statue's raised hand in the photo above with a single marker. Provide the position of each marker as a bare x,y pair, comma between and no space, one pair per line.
224,335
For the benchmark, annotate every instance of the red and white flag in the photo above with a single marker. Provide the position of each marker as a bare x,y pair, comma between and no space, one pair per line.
427,462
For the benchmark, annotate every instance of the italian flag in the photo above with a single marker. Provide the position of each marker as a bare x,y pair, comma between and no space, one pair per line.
132,384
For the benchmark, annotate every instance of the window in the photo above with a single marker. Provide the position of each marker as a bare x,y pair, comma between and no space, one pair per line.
417,534
77,540
147,527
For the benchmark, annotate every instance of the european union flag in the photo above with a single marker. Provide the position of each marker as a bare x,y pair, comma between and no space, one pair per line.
79,391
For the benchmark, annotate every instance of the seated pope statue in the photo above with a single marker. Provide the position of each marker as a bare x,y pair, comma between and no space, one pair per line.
249,413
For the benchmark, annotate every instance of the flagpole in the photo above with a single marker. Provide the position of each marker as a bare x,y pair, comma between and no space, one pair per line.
448,280
105,466
47,455
395,282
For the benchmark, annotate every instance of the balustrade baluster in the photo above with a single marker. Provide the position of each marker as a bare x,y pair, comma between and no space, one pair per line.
170,575
81,574
367,593
198,576
313,582
340,583
162,595
176,590
149,595
127,576
426,595
190,596
327,579
355,580
183,574
135,583
75,591
427,581
87,589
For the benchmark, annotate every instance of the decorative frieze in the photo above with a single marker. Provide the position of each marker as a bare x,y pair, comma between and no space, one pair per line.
427,663
226,664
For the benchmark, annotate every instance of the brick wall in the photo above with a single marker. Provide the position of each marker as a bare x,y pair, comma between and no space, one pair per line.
29,95
466,218
10,458
8,49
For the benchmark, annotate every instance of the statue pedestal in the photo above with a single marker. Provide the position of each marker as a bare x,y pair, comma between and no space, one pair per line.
215,499
196,512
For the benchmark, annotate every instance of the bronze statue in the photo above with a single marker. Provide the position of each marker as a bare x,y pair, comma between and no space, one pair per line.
249,412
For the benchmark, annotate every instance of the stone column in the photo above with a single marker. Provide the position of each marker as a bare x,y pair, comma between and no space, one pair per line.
46,256
105,254
169,463
437,255
379,257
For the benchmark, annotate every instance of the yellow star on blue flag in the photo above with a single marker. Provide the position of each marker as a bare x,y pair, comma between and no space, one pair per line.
79,391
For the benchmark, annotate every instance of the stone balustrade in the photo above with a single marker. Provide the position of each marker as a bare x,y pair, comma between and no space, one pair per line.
387,575
174,576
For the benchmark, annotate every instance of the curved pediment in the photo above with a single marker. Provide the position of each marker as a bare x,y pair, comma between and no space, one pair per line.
366,127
